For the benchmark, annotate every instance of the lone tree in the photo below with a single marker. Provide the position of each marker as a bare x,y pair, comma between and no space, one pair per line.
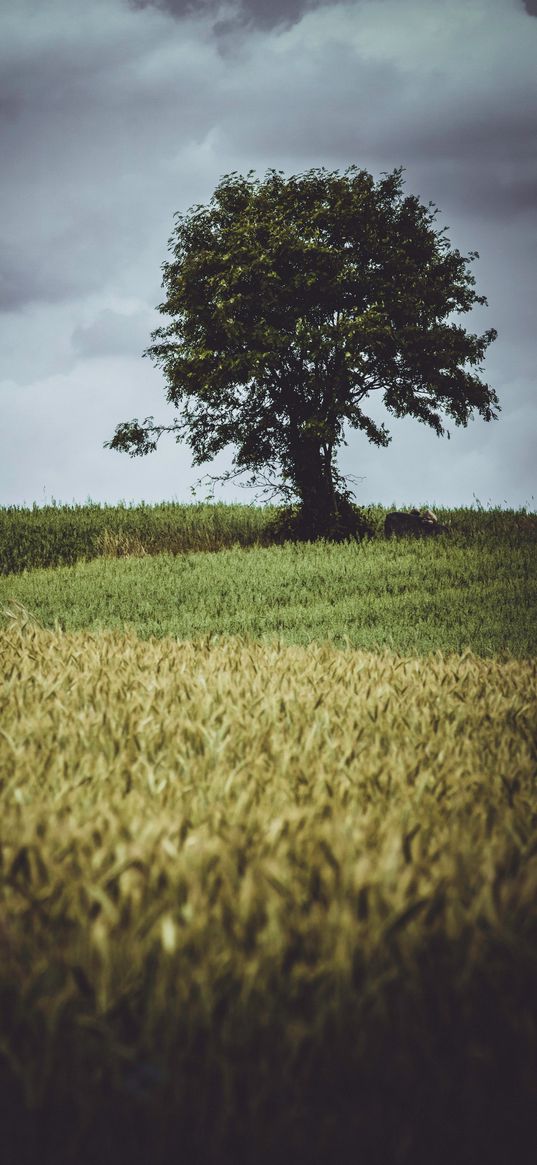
291,301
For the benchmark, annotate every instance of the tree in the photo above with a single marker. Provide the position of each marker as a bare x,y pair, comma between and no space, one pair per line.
291,301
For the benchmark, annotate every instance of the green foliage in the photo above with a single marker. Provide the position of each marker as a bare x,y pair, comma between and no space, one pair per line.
265,904
291,301
474,589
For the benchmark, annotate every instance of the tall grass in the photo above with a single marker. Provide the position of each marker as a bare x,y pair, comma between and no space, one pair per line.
408,595
264,903
55,535
61,535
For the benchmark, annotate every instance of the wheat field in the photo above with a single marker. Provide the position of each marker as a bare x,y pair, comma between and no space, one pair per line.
264,901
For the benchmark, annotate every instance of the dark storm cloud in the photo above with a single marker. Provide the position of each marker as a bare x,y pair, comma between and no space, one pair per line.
111,114
96,108
262,13
116,113
437,88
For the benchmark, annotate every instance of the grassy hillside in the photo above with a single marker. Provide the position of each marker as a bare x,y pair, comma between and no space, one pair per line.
265,903
408,595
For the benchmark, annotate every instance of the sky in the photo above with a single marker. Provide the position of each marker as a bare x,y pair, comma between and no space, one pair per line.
115,114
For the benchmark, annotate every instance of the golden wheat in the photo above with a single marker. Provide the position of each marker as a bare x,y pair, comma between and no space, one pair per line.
239,859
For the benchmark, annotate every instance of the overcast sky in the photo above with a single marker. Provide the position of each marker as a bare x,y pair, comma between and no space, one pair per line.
117,113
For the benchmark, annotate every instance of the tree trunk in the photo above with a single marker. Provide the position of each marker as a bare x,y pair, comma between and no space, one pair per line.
312,472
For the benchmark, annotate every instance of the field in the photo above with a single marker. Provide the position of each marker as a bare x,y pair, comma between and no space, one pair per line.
56,535
269,853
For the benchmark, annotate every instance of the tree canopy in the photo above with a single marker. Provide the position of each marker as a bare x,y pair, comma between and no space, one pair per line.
291,301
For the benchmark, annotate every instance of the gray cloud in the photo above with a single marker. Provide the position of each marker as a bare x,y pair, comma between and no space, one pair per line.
106,119
264,14
114,115
113,334
449,87
97,119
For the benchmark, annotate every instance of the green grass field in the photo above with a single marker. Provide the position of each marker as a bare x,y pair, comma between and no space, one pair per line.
412,596
268,849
